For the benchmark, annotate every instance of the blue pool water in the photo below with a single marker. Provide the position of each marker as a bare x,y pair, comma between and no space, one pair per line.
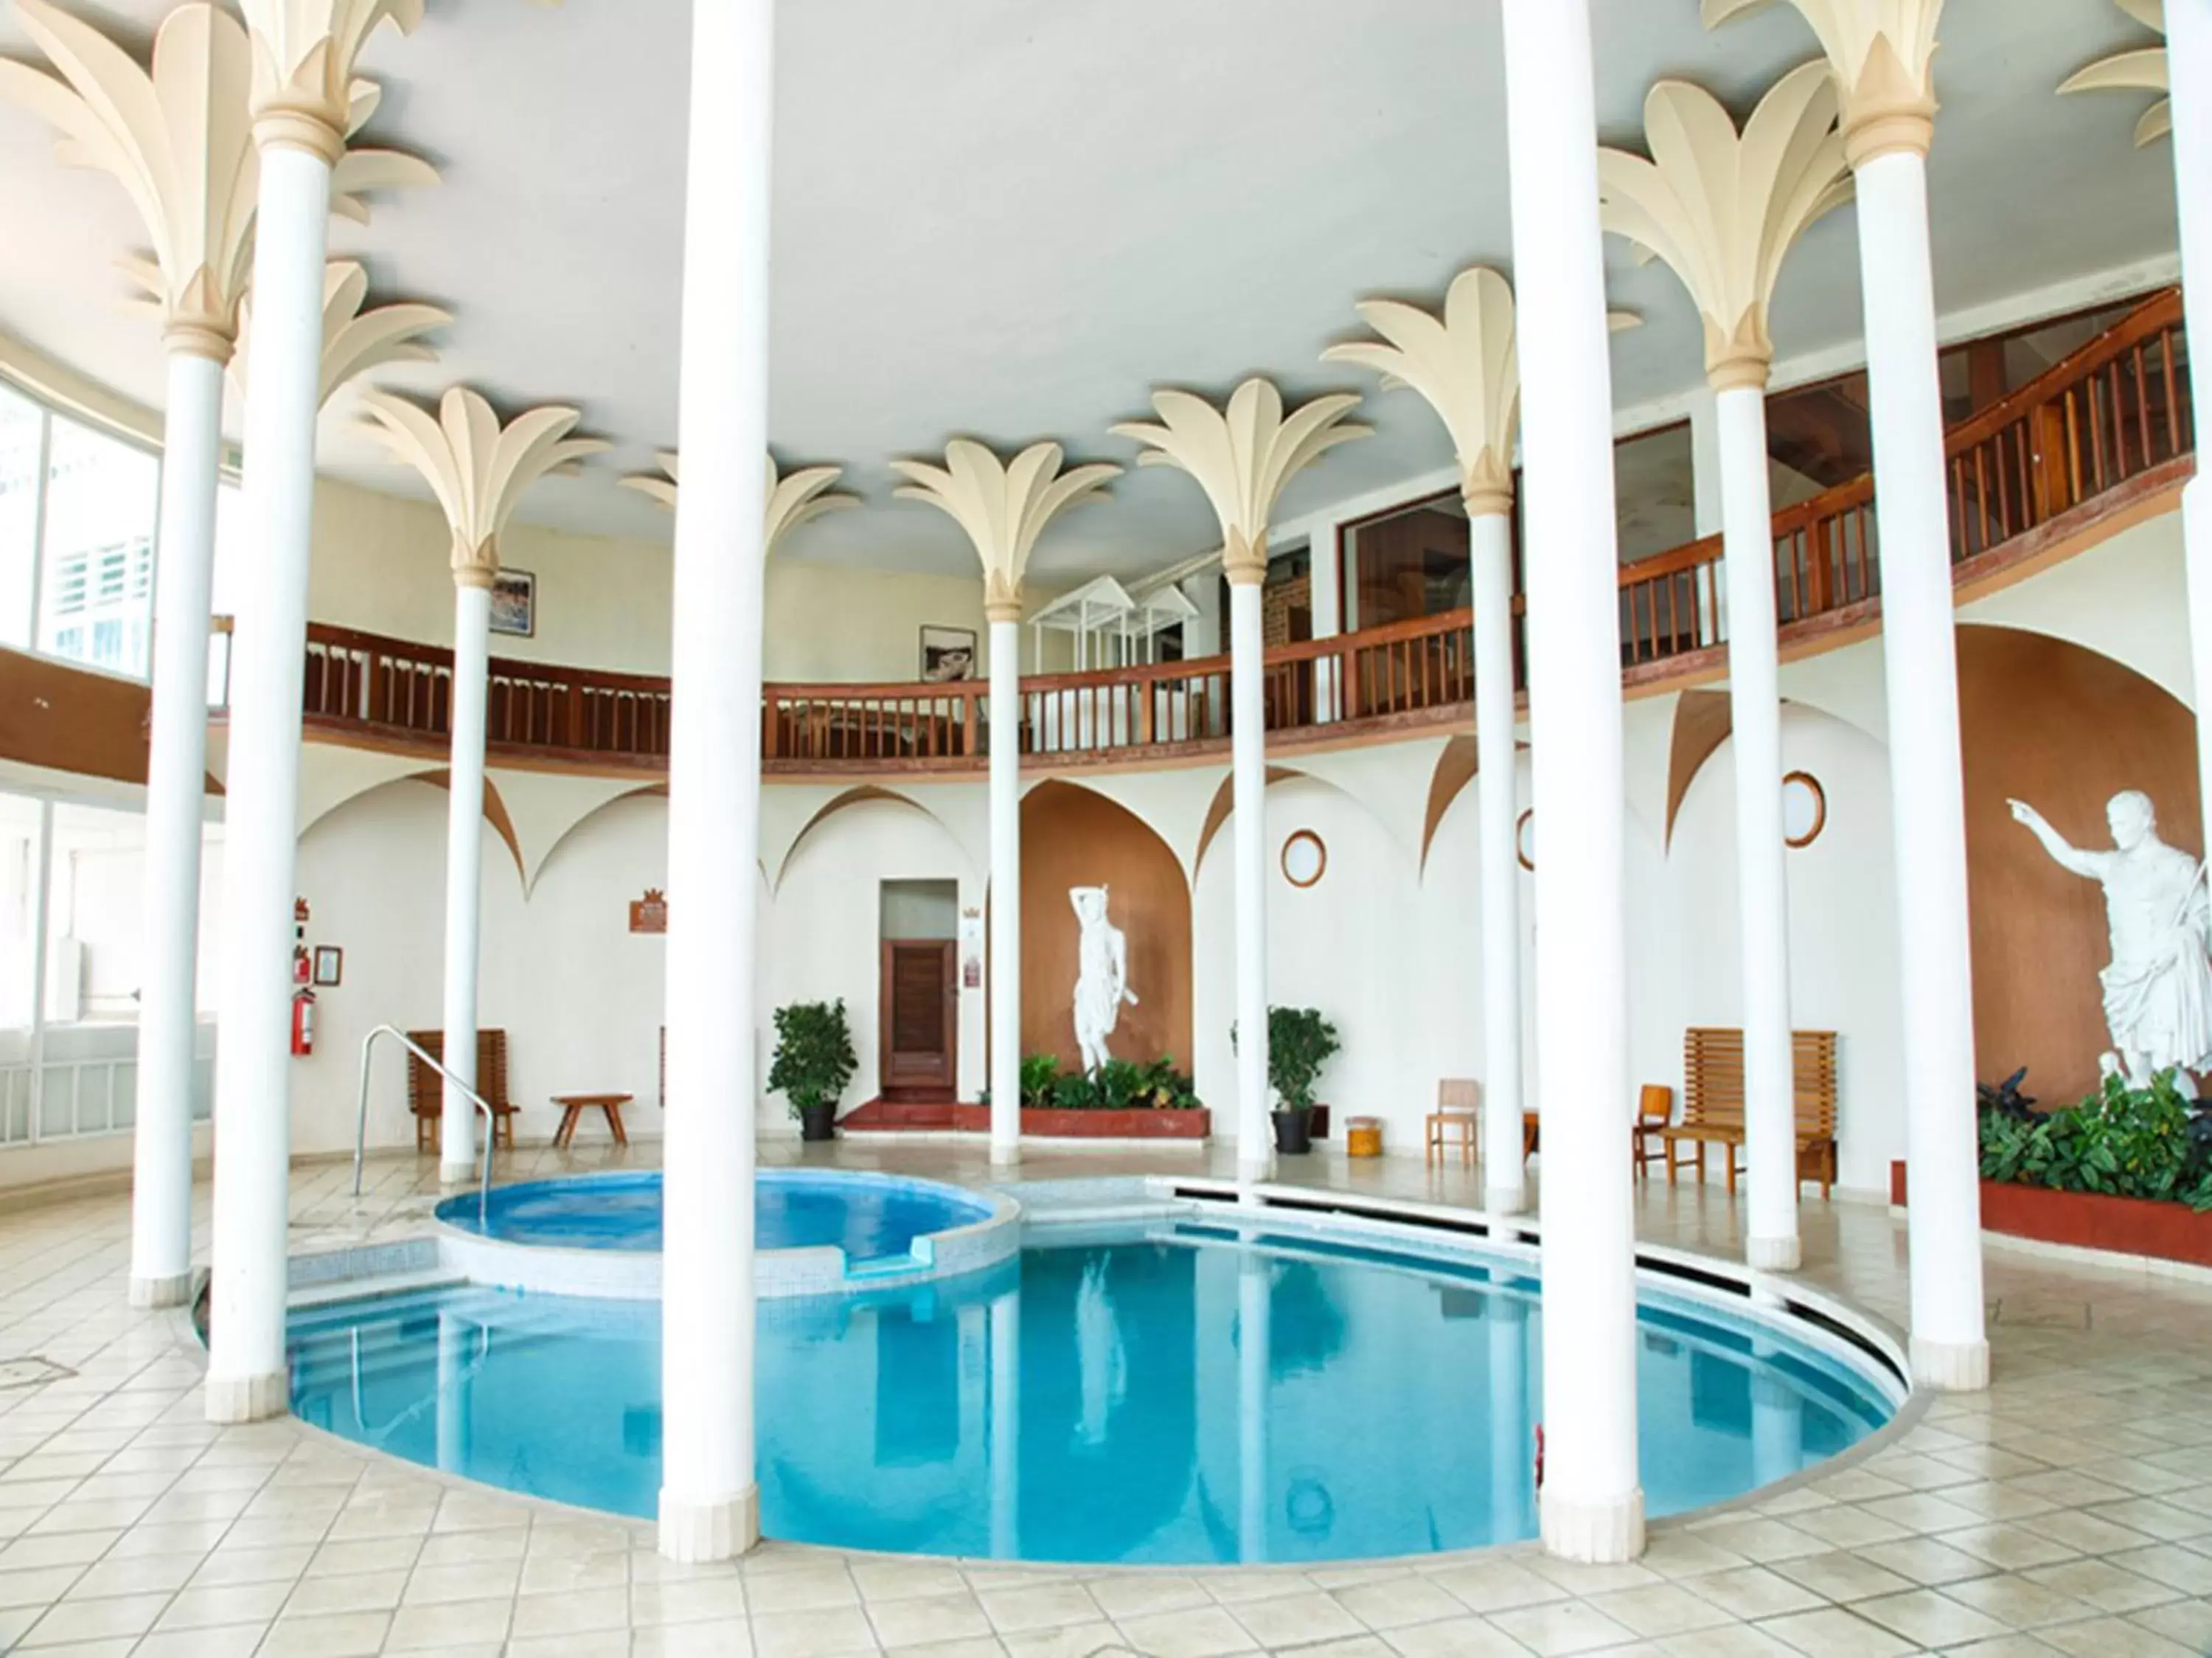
1166,1395
869,1217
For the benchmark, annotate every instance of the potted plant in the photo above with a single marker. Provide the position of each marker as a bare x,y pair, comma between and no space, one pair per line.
814,1061
1300,1042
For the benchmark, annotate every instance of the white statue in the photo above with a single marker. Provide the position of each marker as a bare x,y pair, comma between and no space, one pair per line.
2158,989
1102,980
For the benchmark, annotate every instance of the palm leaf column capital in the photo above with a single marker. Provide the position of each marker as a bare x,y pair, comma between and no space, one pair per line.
1466,364
178,137
1883,55
1003,508
476,467
304,56
2142,69
1722,209
797,498
1242,456
354,341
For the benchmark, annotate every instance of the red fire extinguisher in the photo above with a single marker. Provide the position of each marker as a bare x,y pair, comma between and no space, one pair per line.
303,1023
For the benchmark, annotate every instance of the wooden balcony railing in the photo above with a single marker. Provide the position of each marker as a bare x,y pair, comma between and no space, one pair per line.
2105,424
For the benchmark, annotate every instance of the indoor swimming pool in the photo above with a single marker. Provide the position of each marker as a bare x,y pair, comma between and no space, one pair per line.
1149,1393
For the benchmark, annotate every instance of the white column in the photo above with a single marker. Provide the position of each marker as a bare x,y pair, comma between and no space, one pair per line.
709,1499
456,1135
1592,1504
1506,1189
1004,1450
1926,783
176,798
1762,877
2189,73
253,1066
1006,887
1248,717
1255,1322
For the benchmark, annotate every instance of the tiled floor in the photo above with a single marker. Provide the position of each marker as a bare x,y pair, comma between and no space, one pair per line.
2069,1510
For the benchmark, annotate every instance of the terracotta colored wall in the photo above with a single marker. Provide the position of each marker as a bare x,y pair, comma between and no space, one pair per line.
2065,730
1074,837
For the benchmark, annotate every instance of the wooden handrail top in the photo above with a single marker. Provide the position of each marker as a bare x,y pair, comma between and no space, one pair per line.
2146,321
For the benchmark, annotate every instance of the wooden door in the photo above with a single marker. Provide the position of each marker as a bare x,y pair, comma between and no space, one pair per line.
921,1004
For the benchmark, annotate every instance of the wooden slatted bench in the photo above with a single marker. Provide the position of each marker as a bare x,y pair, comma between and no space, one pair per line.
1712,1103
426,1089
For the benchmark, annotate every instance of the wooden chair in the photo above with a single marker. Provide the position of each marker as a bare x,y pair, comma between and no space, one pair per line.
426,1089
1457,1114
1655,1114
1712,1103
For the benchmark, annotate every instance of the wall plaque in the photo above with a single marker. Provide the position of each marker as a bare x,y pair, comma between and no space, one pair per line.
649,914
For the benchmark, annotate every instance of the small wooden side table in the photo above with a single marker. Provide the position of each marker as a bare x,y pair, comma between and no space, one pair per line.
574,1106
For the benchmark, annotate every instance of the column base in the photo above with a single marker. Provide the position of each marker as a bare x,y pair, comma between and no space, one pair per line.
693,1533
1006,1157
1505,1199
1775,1254
173,1291
1251,1171
1951,1367
1600,1534
460,1173
248,1398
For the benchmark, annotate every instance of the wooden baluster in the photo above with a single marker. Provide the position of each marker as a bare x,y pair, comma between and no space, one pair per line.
2092,416
2173,390
2142,409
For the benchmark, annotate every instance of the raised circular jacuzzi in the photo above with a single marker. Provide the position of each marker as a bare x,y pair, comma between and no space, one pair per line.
816,1232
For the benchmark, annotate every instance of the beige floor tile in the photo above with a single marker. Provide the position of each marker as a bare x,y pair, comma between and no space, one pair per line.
1490,1588
2108,1587
1927,1617
1841,1576
1297,1620
2010,1545
814,1634
95,1620
227,1566
449,1624
1049,1605
1398,1603
1205,1632
378,1591
809,1589
1660,1609
1455,1637
1137,1594
700,1599
1833,1632
221,1641
1076,1641
1562,1627
917,1622
230,1603
2113,1638
583,1612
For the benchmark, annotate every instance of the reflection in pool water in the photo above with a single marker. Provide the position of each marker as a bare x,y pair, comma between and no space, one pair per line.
1176,1397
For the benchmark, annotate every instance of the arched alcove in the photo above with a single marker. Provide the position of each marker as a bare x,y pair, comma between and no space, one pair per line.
1072,837
2065,729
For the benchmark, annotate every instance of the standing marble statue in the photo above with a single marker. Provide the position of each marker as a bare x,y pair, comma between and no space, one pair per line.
1102,980
2158,989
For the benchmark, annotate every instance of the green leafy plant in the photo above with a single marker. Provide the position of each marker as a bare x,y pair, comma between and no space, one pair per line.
1039,1072
814,1057
1119,1083
2120,1142
1300,1044
1073,1091
1166,1088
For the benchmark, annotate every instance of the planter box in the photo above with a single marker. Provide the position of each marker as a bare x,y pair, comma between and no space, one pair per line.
2086,1220
1050,1124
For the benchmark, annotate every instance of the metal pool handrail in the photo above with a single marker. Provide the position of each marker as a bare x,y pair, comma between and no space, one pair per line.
360,1116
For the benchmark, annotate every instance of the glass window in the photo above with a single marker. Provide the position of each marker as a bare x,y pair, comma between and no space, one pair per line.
1655,492
97,587
23,434
1406,564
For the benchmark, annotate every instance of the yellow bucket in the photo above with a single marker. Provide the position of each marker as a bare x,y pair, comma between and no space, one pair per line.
1363,1137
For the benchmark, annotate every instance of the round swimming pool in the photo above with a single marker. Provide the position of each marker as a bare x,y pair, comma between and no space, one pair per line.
869,1217
1161,1392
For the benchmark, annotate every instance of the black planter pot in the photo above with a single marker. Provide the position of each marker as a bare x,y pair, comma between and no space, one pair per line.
818,1122
1292,1138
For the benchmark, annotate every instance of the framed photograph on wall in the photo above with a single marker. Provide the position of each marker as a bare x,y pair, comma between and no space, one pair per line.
947,654
514,603
330,966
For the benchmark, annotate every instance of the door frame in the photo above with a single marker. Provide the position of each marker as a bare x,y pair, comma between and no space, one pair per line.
885,1081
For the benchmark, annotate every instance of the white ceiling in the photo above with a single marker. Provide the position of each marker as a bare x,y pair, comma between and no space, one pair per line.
1011,218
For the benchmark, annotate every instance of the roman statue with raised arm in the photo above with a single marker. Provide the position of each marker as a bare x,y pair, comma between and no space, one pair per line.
2158,989
1102,980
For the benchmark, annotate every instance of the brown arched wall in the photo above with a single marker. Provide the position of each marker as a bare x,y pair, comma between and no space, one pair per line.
1074,837
2065,730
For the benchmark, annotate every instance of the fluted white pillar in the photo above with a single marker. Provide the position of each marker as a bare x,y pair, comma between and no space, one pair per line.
457,1142
253,1066
709,1498
1256,1158
1926,781
2189,76
1592,1502
1762,876
176,800
1506,1189
1006,886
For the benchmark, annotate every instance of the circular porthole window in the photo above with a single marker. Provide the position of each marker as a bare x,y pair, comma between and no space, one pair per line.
1524,840
1804,809
1304,859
